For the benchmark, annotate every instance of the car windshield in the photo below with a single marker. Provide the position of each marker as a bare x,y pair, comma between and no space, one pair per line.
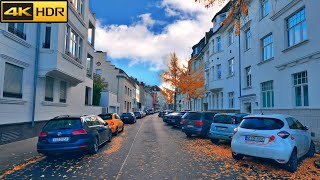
106,116
63,124
126,114
136,112
261,123
193,116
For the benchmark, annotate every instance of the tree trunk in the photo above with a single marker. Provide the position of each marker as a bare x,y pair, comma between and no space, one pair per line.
175,100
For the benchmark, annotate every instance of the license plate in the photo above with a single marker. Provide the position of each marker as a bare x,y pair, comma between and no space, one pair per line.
126,117
190,126
61,139
221,128
172,121
254,139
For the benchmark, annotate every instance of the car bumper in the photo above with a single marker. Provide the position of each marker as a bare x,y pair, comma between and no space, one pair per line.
279,153
197,131
80,145
127,121
225,136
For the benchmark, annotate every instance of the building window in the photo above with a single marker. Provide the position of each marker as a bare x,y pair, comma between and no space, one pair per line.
300,85
88,96
267,48
248,39
89,66
98,72
13,76
219,71
63,92
297,28
219,44
221,99
212,72
73,44
231,100
265,8
230,37
267,94
125,104
91,34
17,29
248,76
212,101
217,99
212,43
78,5
47,36
49,89
231,67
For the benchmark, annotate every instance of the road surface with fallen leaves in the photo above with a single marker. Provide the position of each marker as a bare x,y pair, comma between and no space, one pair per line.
150,149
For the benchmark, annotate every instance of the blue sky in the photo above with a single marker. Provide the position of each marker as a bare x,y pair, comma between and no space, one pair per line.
139,35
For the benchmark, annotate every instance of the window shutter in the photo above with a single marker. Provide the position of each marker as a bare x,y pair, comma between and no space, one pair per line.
63,92
13,81
49,89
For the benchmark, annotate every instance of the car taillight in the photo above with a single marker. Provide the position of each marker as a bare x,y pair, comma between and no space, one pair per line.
79,132
272,138
43,134
233,120
283,134
198,123
184,121
235,130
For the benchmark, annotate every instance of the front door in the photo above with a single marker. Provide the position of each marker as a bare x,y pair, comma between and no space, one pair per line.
247,107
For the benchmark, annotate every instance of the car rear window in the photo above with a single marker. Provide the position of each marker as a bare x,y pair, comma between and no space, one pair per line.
261,124
105,117
193,116
63,124
226,119
126,114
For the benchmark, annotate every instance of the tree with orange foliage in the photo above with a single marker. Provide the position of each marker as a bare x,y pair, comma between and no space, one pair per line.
237,9
168,95
172,75
192,81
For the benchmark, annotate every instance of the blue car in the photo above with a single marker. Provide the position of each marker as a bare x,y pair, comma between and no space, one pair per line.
197,123
73,134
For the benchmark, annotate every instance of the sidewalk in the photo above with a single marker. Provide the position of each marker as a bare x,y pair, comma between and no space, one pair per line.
17,153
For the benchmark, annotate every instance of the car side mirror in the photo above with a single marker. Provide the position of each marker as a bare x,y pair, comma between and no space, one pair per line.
306,128
106,124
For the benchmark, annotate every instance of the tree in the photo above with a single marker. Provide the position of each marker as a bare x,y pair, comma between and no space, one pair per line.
192,81
99,84
172,75
237,9
168,94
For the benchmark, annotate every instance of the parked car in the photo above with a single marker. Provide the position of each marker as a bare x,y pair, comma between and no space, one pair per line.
151,111
143,114
278,137
223,125
128,118
146,112
161,114
138,114
73,134
197,123
175,119
114,121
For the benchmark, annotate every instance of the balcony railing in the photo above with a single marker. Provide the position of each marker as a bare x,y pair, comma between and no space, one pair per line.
18,33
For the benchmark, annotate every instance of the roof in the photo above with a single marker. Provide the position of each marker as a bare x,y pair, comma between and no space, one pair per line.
223,10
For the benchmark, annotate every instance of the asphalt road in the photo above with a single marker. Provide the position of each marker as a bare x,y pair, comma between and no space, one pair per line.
150,149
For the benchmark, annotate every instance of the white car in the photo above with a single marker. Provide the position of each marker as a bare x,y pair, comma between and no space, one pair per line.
277,136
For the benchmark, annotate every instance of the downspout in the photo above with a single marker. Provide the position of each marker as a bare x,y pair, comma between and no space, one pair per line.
240,94
35,77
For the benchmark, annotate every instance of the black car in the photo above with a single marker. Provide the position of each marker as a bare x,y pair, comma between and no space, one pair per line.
73,134
128,118
197,123
175,119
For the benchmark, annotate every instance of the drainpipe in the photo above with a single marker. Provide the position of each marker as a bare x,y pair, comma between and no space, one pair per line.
35,77
240,94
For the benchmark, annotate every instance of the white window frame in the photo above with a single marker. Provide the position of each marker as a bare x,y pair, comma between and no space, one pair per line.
248,72
4,81
247,39
219,71
72,37
267,88
230,37
219,45
45,89
231,100
301,82
265,8
267,44
297,28
231,67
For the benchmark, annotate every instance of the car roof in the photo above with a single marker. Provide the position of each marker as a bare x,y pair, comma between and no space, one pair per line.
276,116
233,114
75,117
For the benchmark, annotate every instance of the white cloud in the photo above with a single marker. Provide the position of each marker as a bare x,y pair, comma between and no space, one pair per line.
139,44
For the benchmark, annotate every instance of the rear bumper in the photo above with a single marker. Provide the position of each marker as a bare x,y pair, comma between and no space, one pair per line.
126,121
280,152
197,131
224,136
80,145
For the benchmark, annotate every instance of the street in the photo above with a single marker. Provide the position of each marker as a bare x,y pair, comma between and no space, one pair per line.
150,149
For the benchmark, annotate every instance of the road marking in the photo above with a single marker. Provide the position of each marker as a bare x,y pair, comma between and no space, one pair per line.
125,160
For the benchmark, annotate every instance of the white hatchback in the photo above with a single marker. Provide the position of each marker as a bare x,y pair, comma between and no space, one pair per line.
277,136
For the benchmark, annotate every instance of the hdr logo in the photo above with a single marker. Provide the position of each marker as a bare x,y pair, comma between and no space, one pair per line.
34,11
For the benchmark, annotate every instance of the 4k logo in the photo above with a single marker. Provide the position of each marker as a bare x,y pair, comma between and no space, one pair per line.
17,11
34,11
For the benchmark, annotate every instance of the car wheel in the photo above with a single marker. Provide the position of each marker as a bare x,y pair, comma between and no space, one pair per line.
312,149
293,161
188,134
110,136
117,131
122,128
237,156
95,147
214,141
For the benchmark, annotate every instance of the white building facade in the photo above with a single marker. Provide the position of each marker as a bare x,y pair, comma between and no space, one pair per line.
44,70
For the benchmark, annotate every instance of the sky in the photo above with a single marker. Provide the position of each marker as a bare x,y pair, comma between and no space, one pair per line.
139,35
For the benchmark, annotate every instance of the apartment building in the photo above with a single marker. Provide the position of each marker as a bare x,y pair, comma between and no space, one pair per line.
274,68
44,69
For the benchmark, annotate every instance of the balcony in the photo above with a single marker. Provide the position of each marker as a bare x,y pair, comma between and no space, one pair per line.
16,32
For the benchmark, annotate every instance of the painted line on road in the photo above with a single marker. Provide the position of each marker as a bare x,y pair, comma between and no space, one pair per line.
125,160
